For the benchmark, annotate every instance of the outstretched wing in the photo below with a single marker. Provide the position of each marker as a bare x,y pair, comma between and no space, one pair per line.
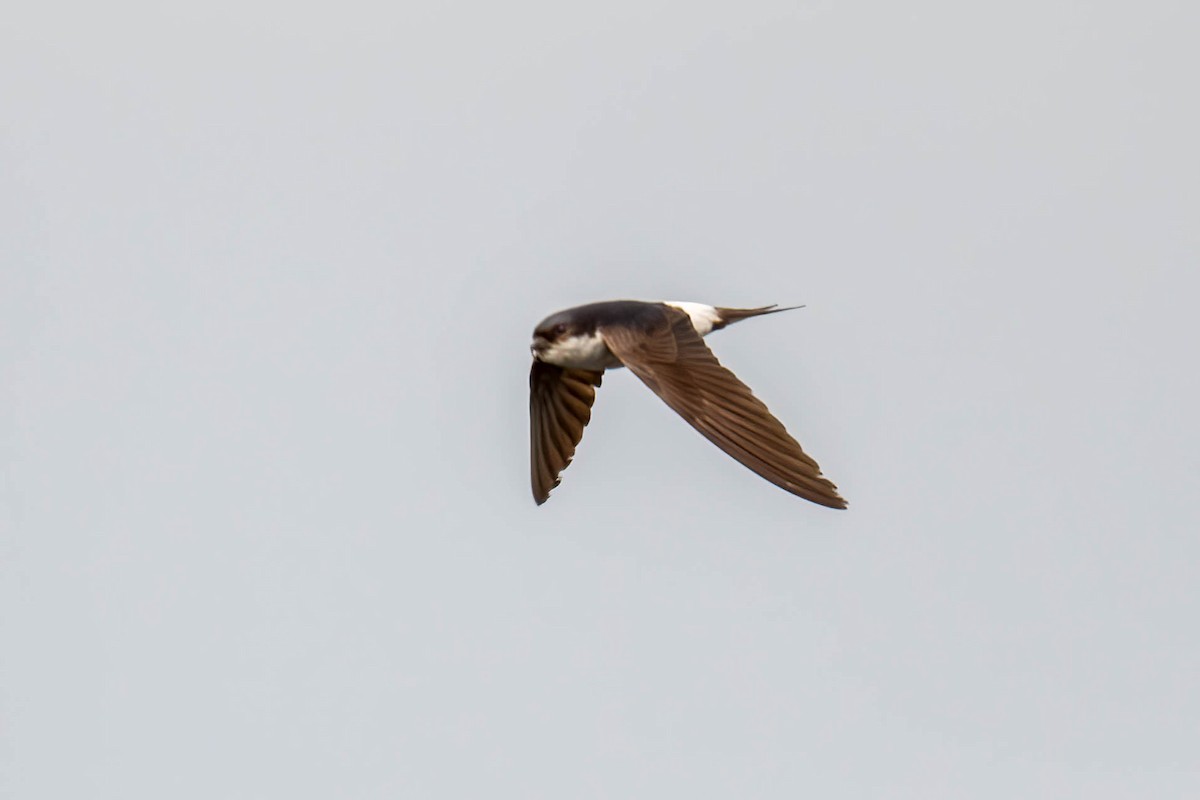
674,361
560,406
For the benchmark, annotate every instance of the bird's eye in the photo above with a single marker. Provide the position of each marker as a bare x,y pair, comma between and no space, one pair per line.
560,329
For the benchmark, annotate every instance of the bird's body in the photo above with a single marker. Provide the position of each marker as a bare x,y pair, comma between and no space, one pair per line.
662,344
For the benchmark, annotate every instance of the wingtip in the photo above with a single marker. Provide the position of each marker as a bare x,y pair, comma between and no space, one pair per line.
831,498
827,499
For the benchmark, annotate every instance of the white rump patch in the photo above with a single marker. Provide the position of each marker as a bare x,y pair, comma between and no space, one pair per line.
703,317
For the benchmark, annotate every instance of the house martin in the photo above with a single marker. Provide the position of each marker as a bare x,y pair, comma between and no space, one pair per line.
662,344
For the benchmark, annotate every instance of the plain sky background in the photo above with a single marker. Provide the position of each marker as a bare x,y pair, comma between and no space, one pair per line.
269,273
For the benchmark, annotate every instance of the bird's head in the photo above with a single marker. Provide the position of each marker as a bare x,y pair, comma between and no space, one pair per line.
554,329
571,340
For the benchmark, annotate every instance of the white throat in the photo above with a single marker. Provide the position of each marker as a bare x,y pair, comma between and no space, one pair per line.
580,352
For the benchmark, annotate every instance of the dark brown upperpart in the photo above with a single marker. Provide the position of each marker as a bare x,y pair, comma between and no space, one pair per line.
584,320
678,366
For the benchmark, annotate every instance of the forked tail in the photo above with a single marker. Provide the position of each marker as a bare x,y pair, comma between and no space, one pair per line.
732,315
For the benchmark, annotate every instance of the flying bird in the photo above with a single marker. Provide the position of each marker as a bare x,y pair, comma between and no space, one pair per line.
662,344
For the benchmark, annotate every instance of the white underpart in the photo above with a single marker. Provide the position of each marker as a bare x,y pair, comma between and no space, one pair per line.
703,317
579,352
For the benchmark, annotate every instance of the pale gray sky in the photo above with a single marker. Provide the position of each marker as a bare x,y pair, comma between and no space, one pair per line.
269,275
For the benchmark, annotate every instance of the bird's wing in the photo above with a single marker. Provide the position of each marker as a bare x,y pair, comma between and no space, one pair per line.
673,360
560,406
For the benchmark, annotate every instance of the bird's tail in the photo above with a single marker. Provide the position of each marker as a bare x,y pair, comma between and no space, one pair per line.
732,315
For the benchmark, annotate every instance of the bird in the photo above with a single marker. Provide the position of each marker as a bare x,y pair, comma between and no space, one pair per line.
662,343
